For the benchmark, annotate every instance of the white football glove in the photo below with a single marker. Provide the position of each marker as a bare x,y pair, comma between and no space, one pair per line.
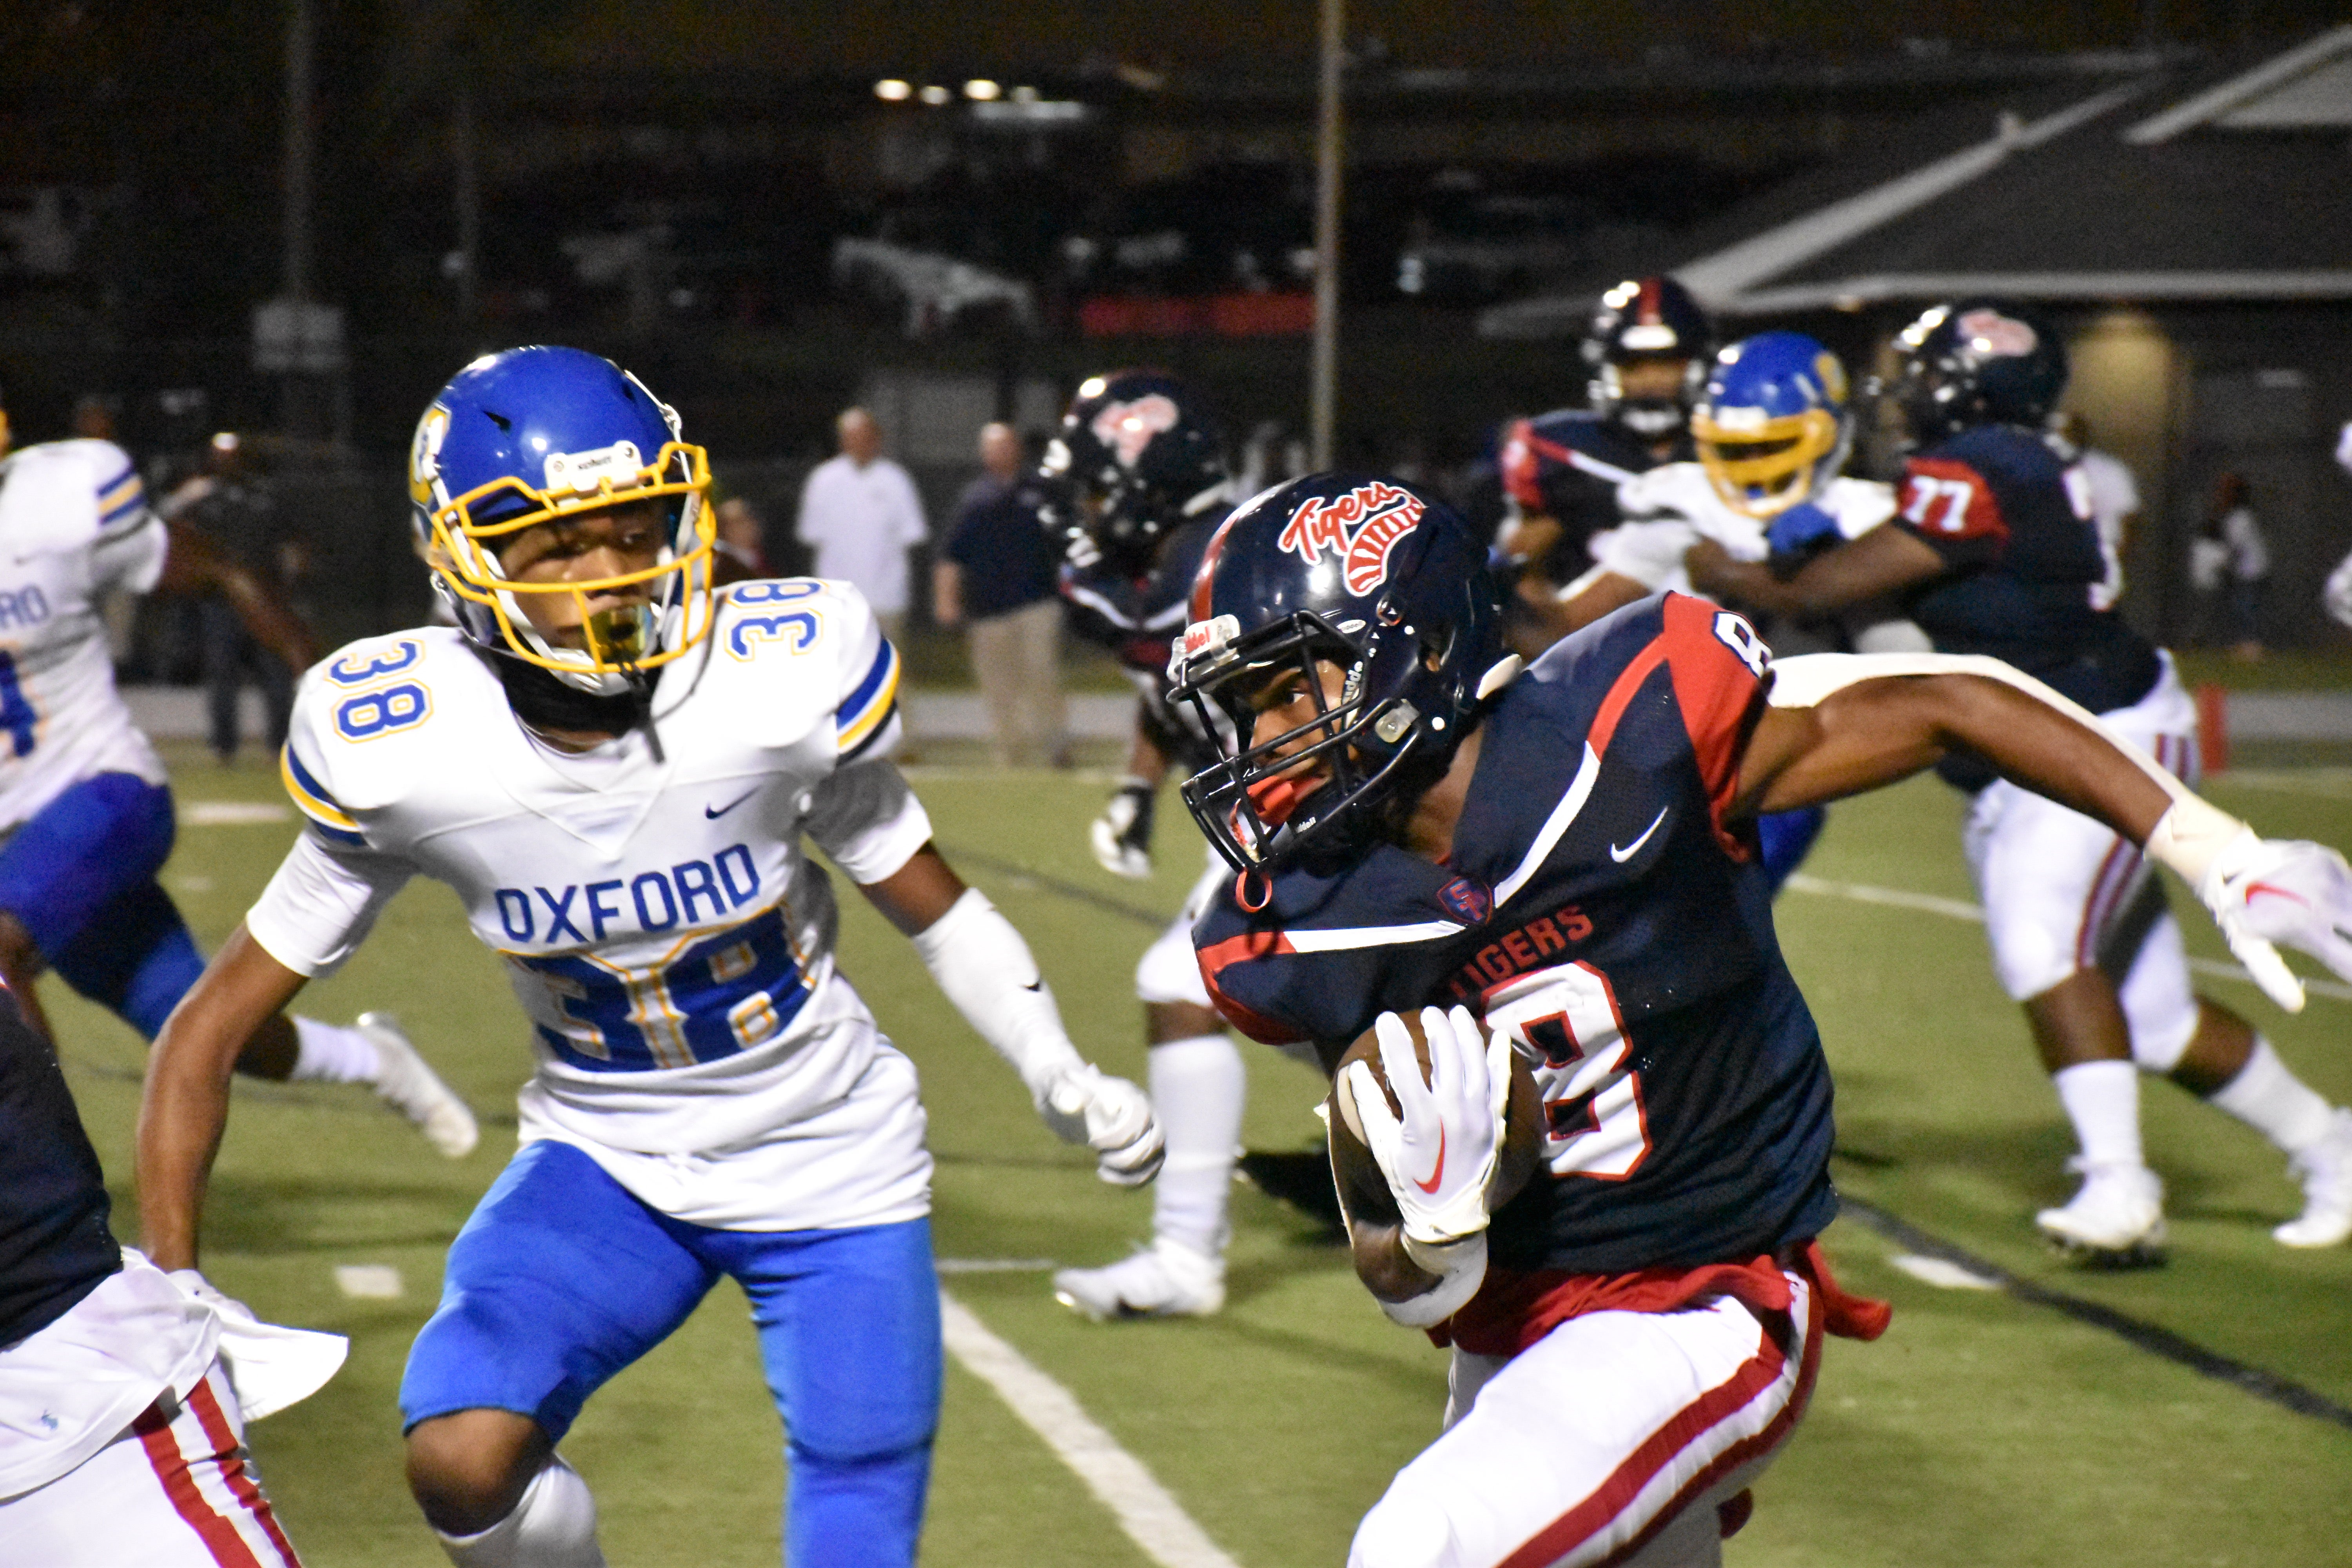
1111,1116
1121,835
1452,1129
2267,890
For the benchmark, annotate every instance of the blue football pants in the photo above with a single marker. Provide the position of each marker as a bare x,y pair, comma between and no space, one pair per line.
79,876
562,1278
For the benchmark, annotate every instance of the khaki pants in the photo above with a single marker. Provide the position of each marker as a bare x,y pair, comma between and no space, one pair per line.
1018,658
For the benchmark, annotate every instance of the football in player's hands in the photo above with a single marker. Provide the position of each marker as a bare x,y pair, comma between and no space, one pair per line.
1362,1184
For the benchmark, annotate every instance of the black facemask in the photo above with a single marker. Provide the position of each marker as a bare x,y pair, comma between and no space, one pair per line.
544,702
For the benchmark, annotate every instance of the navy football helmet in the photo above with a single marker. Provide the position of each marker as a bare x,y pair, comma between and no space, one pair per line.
1366,574
534,435
1647,320
1136,455
1977,361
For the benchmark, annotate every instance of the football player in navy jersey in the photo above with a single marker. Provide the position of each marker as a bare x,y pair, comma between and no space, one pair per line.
1646,351
1410,818
1996,552
1137,473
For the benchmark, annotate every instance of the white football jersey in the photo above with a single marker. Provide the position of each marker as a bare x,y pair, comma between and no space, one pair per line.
670,943
1669,509
74,526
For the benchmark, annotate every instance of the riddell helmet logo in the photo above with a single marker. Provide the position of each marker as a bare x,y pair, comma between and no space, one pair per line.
1360,527
1991,336
1126,428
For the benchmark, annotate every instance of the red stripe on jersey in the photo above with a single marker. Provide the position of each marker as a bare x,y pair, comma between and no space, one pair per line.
1944,499
241,1484
1218,956
219,1536
1200,607
1522,473
1717,692
1621,695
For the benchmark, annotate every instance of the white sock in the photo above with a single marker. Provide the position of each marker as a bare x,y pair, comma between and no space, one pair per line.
334,1052
2102,1100
2267,1097
555,1526
1197,1088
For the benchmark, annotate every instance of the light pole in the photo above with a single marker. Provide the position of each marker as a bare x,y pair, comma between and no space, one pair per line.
1323,396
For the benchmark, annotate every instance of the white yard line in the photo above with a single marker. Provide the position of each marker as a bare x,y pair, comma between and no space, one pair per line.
1959,909
1152,1519
993,1265
1941,1272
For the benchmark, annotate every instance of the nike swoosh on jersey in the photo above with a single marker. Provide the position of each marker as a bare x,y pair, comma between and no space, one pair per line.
715,815
1438,1175
2253,887
1622,855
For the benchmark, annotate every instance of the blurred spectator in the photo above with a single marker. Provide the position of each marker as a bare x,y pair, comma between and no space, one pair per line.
743,543
2115,497
2231,559
2338,596
996,577
93,416
232,506
861,515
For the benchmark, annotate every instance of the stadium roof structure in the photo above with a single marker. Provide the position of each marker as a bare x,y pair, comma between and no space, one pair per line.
2224,181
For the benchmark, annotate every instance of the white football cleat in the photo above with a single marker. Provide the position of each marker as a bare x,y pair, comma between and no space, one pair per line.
2326,1172
1166,1279
2116,1220
415,1090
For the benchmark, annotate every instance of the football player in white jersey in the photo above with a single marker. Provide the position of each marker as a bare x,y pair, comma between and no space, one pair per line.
612,765
86,818
1772,428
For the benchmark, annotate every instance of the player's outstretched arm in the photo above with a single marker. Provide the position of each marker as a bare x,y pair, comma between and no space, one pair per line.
1842,723
185,1104
195,565
987,971
1879,563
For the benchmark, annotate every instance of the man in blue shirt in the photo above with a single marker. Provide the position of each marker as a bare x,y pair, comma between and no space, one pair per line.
996,577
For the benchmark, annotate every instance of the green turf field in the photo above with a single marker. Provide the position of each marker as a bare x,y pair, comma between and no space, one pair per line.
1982,1430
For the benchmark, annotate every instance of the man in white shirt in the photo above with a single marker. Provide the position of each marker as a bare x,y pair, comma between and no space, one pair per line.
860,514
2114,494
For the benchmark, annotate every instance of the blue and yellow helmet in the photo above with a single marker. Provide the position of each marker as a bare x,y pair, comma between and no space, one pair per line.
1774,424
533,435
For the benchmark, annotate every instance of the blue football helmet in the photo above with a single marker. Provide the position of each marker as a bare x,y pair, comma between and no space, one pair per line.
1775,424
1372,575
535,435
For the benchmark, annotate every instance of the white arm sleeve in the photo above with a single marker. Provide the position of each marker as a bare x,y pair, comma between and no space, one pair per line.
867,821
987,971
321,903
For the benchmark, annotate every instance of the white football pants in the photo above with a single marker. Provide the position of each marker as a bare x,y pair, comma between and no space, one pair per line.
2053,882
176,1490
1613,1439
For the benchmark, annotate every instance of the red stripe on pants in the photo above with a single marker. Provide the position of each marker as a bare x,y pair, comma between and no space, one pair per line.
1617,1493
206,1404
218,1534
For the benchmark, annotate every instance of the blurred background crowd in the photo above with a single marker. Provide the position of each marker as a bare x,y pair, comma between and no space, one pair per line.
248,242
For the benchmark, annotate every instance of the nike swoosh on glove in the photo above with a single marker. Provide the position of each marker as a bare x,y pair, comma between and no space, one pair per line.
2268,890
1440,1157
1111,1116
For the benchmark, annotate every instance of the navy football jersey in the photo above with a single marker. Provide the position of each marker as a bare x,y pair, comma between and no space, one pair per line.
55,1246
2029,581
1137,618
1597,905
1568,465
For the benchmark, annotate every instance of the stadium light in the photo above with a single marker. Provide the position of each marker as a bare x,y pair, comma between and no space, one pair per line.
980,89
936,95
890,90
